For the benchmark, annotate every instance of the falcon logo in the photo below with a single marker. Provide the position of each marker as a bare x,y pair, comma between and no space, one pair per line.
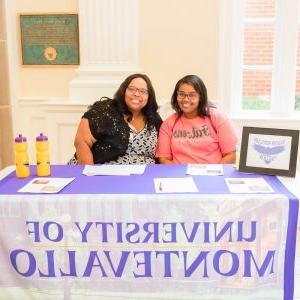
268,153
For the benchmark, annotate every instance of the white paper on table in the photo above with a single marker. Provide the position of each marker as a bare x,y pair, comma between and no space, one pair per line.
6,171
175,185
205,169
110,170
105,170
45,185
248,185
137,169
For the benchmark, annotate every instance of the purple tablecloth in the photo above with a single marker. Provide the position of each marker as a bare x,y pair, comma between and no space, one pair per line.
143,184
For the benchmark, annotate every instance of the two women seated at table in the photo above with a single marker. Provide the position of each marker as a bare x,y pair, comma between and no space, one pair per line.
124,130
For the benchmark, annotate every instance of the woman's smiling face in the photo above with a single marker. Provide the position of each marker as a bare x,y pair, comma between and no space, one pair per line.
188,100
136,95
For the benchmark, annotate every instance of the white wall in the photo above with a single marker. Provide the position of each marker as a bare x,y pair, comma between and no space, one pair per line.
179,38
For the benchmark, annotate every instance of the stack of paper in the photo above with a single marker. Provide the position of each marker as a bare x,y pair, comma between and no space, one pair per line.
248,185
45,185
205,169
118,170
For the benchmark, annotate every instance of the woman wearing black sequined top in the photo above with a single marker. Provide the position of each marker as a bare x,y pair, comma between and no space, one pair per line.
122,130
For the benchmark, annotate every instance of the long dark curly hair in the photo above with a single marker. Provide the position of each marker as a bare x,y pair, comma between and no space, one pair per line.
149,110
200,88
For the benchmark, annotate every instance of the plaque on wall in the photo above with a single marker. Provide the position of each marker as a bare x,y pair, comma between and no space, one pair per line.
50,39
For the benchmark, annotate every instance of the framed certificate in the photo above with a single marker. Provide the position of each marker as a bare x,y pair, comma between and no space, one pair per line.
269,151
49,39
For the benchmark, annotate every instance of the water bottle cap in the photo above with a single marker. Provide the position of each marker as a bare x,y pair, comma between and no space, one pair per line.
41,138
20,139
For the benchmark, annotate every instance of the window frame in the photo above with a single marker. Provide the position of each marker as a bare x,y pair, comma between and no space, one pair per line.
230,66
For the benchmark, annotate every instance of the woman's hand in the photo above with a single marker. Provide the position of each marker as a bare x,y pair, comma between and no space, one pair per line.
83,143
228,158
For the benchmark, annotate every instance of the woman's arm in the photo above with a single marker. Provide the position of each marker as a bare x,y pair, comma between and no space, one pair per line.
227,136
83,143
228,158
165,160
163,150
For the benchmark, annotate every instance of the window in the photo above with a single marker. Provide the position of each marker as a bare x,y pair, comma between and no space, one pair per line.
259,57
258,44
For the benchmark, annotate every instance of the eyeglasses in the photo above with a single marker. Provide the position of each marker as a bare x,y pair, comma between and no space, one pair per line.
191,96
133,90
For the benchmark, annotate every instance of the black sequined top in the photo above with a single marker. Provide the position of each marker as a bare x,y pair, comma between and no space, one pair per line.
110,130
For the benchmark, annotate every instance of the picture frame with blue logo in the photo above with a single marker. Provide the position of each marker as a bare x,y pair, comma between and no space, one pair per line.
269,151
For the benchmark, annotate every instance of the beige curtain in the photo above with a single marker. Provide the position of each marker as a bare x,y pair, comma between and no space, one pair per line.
6,134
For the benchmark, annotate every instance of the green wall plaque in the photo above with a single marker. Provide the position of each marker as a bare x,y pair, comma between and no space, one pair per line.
50,39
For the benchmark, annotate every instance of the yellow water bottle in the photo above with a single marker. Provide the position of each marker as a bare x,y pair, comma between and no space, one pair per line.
42,156
21,157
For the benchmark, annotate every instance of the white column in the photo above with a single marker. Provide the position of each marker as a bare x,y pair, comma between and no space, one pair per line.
108,33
